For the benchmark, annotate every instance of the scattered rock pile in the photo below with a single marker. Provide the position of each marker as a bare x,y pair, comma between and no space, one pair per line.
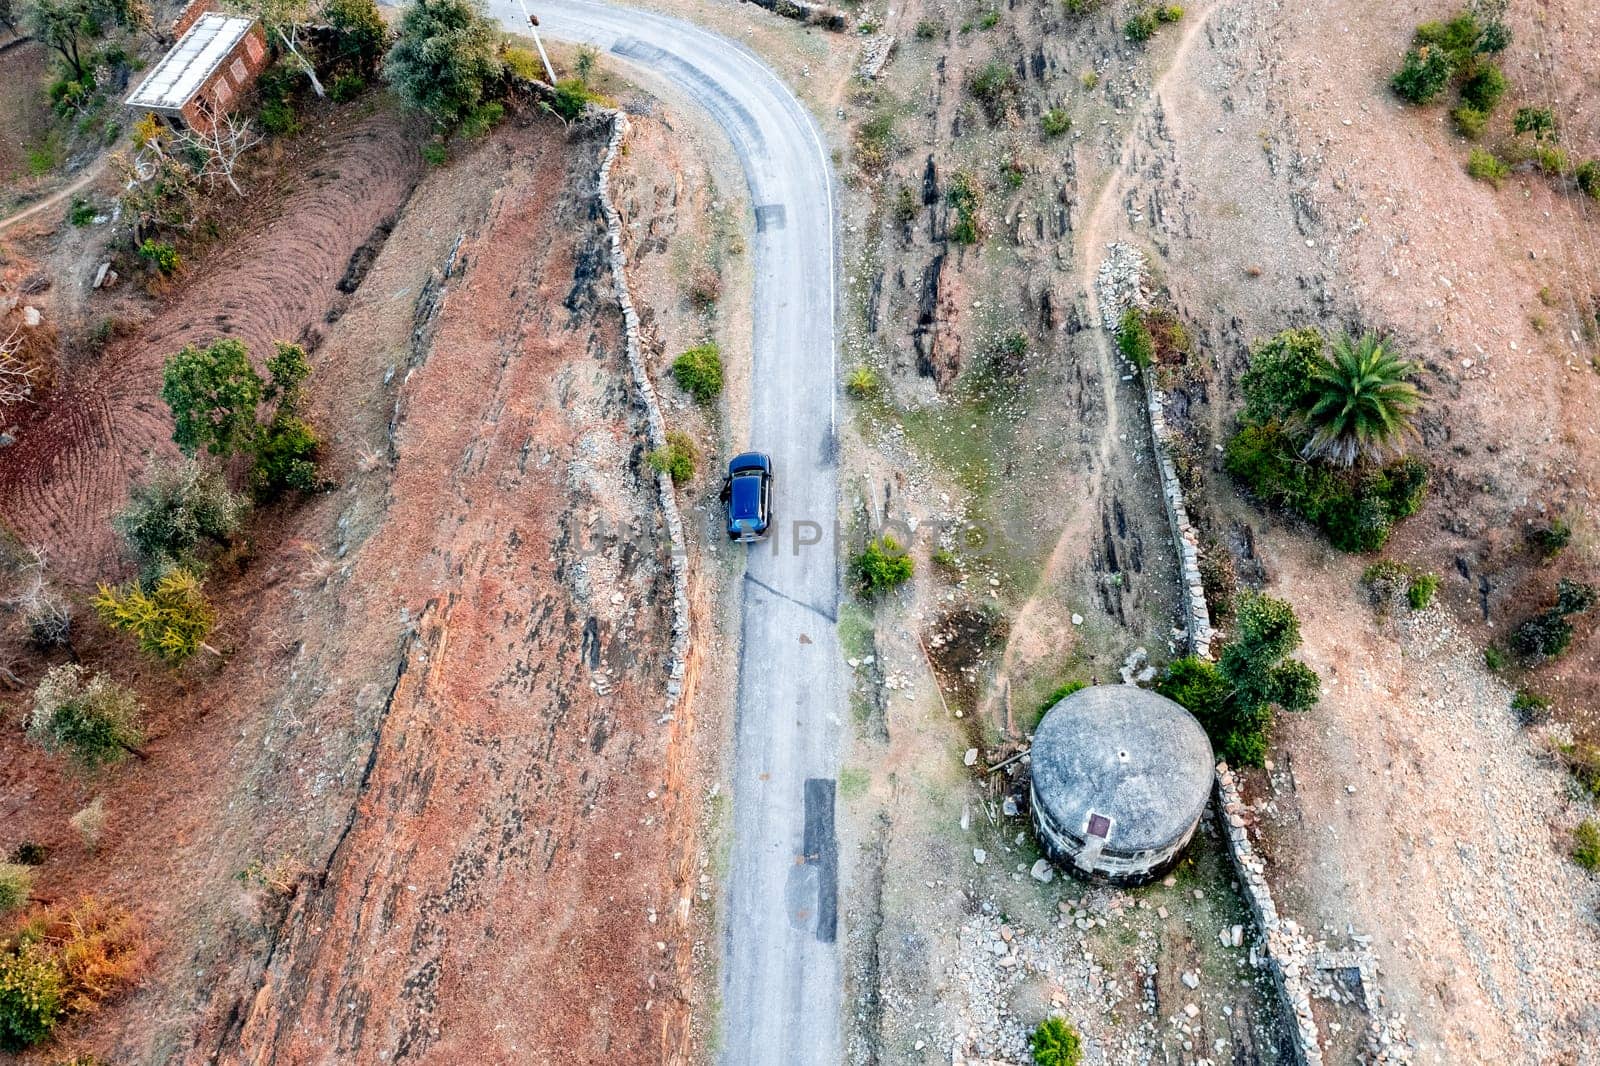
1120,283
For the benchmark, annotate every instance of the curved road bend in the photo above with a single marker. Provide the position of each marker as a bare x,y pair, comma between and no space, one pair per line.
781,973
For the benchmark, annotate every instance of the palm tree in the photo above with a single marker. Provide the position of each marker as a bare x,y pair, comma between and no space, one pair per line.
1360,403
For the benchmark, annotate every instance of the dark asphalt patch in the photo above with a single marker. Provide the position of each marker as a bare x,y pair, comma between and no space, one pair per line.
822,851
770,216
633,48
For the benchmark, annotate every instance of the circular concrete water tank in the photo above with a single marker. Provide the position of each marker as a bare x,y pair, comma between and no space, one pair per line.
1120,777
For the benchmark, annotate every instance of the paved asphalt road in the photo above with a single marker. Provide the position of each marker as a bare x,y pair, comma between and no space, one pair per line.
781,975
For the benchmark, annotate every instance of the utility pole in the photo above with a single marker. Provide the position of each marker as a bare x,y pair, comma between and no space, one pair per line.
533,24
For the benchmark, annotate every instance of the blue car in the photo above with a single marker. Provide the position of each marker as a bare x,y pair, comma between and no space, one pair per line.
747,491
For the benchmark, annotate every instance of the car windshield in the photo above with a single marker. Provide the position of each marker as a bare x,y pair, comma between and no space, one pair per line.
746,501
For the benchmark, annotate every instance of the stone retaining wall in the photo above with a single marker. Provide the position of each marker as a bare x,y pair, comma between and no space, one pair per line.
1288,951
656,428
1196,612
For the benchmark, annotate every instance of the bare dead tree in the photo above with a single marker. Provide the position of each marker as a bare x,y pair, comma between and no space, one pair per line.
221,147
16,371
46,613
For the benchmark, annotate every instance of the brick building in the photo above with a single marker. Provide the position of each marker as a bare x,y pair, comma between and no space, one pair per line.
215,62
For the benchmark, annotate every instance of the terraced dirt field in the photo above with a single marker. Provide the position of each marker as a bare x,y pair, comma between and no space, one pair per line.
72,464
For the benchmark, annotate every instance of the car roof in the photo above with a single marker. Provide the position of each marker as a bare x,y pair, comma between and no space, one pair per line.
746,501
749,461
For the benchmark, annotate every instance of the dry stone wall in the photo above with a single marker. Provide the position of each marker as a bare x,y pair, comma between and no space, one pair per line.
1120,285
656,428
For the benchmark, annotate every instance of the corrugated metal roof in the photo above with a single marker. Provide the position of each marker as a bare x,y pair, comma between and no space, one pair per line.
192,60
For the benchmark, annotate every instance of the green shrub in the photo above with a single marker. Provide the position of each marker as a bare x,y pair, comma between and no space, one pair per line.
1539,121
1277,383
1055,122
881,566
163,256
928,29
89,718
1583,763
1458,38
521,63
862,383
30,853
571,96
1586,845
31,996
1544,636
1089,79
171,620
996,88
1080,7
1169,13
16,881
676,459
1494,658
698,372
81,213
1484,165
966,201
1470,122
1420,594
1588,178
990,20
434,154
906,206
1423,74
1551,538
1060,692
1055,1043
875,141
285,458
1551,160
1484,88
347,87
1548,634
1134,339
1530,707
1140,28
277,117
174,513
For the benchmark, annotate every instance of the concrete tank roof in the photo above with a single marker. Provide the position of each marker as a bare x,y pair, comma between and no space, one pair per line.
1127,754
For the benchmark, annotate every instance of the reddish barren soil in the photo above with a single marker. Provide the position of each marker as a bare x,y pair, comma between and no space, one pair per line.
424,808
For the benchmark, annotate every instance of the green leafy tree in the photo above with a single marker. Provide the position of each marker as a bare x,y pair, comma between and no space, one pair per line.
284,20
213,393
361,35
171,620
87,717
1277,384
1234,698
1484,87
177,511
446,58
62,25
1055,1043
1360,403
